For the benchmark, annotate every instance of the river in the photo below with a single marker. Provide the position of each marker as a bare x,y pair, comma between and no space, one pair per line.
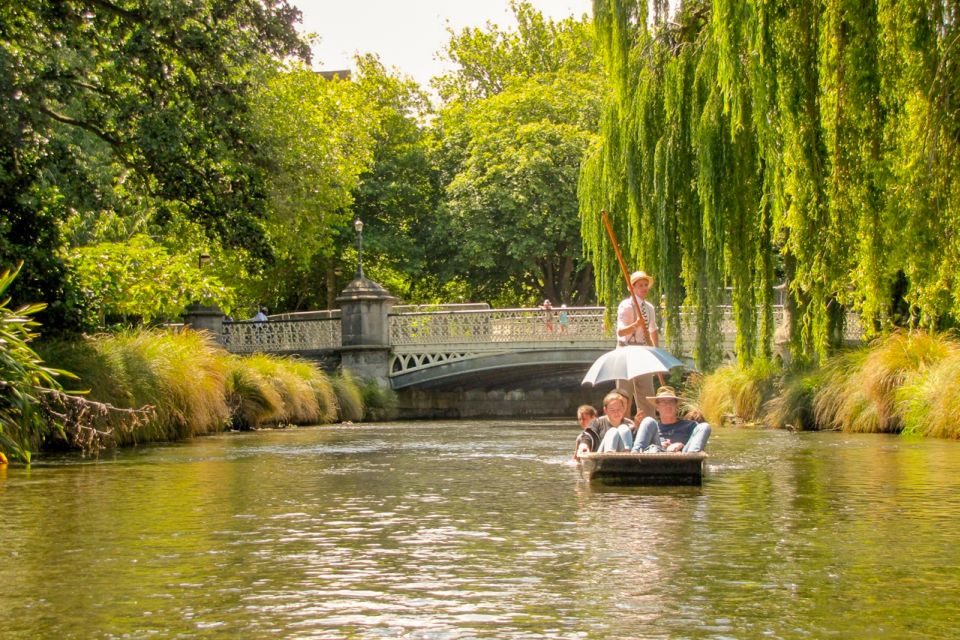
480,529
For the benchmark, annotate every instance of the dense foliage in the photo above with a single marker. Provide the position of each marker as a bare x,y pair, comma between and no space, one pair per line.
815,142
133,111
520,111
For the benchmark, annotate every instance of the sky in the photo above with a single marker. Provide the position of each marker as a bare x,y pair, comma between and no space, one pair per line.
407,34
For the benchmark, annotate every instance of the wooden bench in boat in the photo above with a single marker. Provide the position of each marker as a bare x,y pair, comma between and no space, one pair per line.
644,468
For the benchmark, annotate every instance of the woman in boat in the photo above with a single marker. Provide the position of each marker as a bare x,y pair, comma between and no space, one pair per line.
671,433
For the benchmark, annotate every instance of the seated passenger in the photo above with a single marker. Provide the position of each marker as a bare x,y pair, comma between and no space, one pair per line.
613,430
593,436
670,433
585,415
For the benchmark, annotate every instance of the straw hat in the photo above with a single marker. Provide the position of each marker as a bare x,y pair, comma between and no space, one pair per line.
640,275
664,393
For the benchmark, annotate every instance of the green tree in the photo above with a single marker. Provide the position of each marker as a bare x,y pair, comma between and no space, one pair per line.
317,137
520,111
146,102
818,138
398,195
511,211
487,59
139,281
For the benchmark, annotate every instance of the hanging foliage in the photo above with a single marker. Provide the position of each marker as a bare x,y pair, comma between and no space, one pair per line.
747,143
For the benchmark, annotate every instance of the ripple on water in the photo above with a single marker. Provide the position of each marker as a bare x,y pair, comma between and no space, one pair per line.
454,530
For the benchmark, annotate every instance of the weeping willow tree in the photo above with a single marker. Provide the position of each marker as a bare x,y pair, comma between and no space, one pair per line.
810,142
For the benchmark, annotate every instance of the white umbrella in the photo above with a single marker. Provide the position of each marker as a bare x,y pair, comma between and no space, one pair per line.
626,363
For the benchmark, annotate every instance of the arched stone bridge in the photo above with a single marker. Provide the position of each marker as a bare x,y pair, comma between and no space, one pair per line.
451,346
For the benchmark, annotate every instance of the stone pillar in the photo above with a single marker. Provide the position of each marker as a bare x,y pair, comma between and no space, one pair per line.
201,317
365,331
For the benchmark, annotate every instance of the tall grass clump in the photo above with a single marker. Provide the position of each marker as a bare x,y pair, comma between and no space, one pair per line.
929,403
349,397
734,394
252,400
298,403
792,408
860,391
181,375
321,386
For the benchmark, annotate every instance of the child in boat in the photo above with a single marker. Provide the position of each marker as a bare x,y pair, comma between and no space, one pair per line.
585,415
612,431
671,433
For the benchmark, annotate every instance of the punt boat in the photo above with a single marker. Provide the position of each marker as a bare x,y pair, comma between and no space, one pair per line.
644,468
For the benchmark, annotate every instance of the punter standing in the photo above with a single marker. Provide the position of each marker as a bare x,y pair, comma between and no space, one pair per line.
630,331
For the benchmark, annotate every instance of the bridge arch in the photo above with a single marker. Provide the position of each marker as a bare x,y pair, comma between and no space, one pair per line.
562,367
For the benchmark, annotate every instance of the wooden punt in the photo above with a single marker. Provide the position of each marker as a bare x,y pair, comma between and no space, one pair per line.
644,468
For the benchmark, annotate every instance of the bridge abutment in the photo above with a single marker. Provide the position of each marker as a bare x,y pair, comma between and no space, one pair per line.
365,332
416,404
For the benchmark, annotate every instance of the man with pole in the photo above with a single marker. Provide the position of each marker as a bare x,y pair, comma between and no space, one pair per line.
637,324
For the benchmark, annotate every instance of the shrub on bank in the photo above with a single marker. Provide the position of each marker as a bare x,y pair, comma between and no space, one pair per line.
733,394
381,403
349,397
196,387
901,382
181,376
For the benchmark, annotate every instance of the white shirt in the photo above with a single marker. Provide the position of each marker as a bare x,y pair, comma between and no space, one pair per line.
626,317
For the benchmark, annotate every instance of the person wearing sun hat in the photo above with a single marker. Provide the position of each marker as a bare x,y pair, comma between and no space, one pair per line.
670,433
630,331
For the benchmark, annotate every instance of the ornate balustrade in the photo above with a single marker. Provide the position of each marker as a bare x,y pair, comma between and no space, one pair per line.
282,336
421,340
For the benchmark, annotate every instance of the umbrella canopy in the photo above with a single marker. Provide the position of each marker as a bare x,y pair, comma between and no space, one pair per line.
625,363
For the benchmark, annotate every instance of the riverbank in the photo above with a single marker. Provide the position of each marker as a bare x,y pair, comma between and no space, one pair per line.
904,383
183,384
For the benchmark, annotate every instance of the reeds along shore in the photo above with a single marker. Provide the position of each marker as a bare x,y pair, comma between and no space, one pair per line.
196,387
904,382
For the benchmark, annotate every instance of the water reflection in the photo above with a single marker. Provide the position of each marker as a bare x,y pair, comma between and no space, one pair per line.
481,529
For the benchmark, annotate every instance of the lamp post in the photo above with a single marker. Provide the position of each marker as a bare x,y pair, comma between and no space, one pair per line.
203,260
358,226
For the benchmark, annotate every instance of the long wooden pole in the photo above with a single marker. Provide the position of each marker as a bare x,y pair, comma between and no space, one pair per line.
626,277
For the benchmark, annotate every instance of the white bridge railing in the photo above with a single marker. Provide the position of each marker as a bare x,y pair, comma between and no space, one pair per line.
425,339
282,336
421,339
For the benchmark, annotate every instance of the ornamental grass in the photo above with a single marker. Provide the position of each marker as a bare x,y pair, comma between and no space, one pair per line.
349,397
181,375
253,401
870,390
904,382
929,403
196,387
733,394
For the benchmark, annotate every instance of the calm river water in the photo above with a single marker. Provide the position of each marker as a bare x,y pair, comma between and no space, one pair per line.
476,529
